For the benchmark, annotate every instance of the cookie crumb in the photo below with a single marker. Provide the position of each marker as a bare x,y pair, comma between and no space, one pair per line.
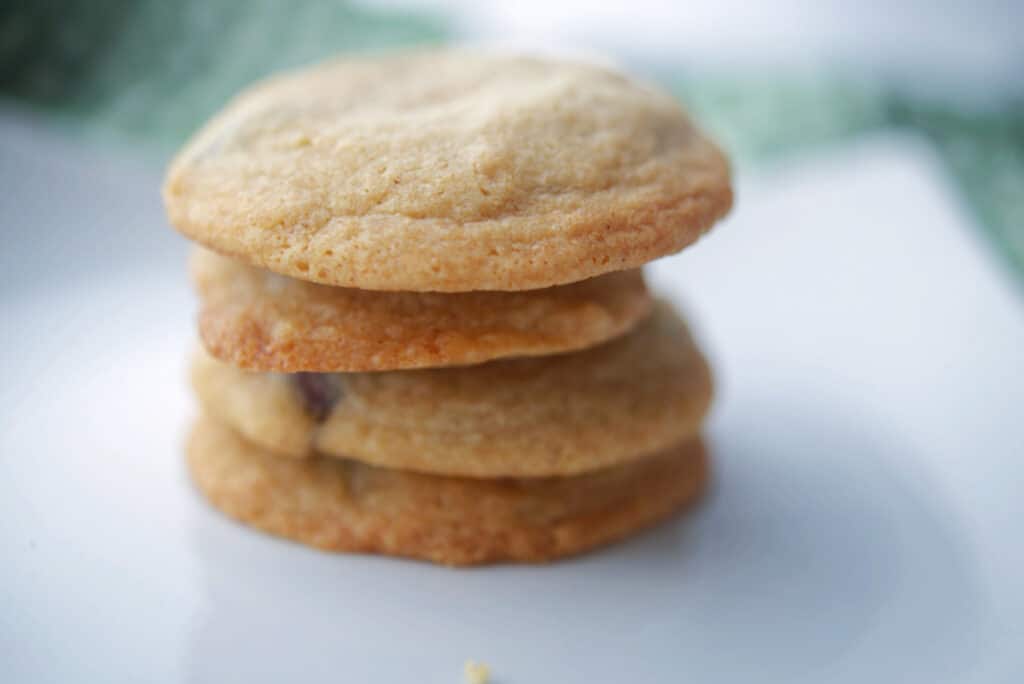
476,673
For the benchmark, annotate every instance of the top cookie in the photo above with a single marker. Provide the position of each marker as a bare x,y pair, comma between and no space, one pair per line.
448,171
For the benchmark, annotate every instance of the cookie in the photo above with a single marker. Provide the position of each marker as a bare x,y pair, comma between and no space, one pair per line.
343,505
448,171
259,320
551,415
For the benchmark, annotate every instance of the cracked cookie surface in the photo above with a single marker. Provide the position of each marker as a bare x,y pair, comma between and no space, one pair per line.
342,505
448,170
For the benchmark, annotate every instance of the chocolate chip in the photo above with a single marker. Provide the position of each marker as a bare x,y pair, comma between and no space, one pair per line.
319,393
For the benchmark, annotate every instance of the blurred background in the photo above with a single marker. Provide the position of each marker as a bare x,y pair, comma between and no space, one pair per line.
861,308
770,80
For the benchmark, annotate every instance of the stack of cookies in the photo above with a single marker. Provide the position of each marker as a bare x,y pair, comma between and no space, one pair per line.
424,328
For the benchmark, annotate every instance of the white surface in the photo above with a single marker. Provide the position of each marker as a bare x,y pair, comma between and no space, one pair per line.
864,525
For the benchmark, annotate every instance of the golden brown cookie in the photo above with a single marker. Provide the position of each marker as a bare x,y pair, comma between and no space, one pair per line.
259,320
448,171
533,417
342,505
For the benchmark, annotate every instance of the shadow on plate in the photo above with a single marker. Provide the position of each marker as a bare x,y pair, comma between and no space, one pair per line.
820,552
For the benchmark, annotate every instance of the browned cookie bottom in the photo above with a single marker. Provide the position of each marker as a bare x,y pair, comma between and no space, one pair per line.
259,320
343,505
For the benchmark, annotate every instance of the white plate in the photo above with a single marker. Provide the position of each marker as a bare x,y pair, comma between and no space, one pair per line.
868,438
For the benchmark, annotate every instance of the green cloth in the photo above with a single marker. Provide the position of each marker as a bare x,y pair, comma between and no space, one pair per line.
761,119
151,71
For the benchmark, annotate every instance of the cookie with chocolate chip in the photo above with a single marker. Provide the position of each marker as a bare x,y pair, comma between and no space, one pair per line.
343,505
532,417
448,171
256,319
